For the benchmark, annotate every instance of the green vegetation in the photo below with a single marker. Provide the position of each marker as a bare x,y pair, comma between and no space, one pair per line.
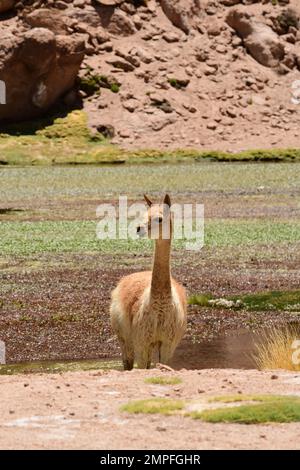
272,409
26,238
153,406
273,300
177,83
67,140
261,301
200,299
248,398
163,380
91,83
250,185
288,18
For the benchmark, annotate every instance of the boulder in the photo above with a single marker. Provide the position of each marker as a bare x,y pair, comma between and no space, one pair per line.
259,39
46,18
181,13
110,3
120,24
37,67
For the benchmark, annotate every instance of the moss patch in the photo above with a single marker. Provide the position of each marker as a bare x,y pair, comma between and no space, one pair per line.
268,409
163,380
91,83
248,398
200,299
261,301
272,409
67,140
177,83
273,300
153,406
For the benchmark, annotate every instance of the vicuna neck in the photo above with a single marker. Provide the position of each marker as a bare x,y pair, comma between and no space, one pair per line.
161,274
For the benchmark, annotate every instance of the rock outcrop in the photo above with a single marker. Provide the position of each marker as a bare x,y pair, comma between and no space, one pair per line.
168,73
37,67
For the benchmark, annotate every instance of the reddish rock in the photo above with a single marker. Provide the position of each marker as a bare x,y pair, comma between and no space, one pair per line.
37,68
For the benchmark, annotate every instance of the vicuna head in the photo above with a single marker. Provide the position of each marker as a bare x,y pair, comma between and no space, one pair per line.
157,221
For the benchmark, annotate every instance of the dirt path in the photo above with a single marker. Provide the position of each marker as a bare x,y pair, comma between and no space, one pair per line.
82,410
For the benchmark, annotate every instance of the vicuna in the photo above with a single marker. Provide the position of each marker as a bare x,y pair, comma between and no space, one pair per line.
148,309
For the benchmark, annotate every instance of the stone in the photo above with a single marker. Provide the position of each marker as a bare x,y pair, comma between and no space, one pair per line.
171,37
107,130
46,18
110,2
121,24
122,64
260,40
38,68
181,13
130,104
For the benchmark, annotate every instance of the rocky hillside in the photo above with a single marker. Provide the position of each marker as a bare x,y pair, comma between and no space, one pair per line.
165,73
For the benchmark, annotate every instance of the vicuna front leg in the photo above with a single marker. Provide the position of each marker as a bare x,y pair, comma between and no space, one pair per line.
127,354
143,355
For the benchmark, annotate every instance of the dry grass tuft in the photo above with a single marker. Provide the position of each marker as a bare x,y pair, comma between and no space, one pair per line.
279,349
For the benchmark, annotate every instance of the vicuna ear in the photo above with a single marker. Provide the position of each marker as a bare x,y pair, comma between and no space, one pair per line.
148,200
167,200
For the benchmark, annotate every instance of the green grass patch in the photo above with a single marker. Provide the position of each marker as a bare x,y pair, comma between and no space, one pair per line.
283,409
200,299
273,300
153,406
67,140
262,409
261,301
25,238
163,380
248,398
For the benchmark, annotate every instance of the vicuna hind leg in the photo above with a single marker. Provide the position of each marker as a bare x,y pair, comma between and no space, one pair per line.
127,354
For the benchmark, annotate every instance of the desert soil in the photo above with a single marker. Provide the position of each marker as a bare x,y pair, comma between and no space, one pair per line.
82,410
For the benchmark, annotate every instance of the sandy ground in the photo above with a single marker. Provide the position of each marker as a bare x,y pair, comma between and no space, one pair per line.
82,410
